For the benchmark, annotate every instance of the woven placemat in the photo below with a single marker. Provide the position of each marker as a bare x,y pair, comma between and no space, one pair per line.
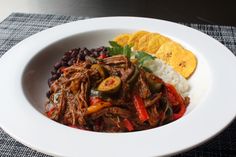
19,26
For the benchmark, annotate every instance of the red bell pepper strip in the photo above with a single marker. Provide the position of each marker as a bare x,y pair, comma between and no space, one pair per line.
141,110
176,100
128,125
181,112
50,112
102,56
95,100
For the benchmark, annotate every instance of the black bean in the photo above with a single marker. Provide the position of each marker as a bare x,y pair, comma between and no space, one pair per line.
82,49
56,76
68,53
74,53
57,65
80,53
96,53
53,72
59,72
66,58
99,49
50,82
48,94
82,57
64,63
87,52
92,55
70,62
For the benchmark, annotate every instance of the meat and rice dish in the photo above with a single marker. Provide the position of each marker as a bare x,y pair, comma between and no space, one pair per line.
106,91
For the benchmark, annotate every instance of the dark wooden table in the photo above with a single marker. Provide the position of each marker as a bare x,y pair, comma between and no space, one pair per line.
190,11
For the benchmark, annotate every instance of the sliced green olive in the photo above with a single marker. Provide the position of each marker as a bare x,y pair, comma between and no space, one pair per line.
110,84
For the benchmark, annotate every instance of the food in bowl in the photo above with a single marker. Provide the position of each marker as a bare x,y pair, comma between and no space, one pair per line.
115,89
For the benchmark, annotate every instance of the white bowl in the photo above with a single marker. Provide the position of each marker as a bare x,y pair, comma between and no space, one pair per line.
27,67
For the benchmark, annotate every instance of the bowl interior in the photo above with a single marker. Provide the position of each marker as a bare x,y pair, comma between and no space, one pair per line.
37,71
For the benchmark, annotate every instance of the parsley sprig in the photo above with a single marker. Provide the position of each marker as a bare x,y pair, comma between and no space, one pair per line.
116,49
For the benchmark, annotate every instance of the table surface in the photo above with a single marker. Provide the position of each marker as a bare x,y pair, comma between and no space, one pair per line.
19,26
197,11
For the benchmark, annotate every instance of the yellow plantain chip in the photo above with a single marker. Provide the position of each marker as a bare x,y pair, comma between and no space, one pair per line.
143,41
165,52
182,60
122,39
155,43
134,39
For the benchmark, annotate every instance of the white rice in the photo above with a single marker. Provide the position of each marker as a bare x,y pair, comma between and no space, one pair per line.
168,75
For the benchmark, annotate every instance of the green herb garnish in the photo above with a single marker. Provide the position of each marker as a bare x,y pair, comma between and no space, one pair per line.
115,49
142,57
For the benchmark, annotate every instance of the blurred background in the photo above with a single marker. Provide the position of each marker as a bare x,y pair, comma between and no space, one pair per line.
191,11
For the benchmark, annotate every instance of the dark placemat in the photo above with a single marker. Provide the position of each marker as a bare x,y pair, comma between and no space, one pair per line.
19,26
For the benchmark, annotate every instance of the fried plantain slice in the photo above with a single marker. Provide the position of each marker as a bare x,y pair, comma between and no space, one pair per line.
122,39
143,41
134,39
155,43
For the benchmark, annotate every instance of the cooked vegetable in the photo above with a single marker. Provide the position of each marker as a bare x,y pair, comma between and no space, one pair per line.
110,84
50,112
107,93
176,100
95,100
128,125
102,56
99,69
97,106
141,110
